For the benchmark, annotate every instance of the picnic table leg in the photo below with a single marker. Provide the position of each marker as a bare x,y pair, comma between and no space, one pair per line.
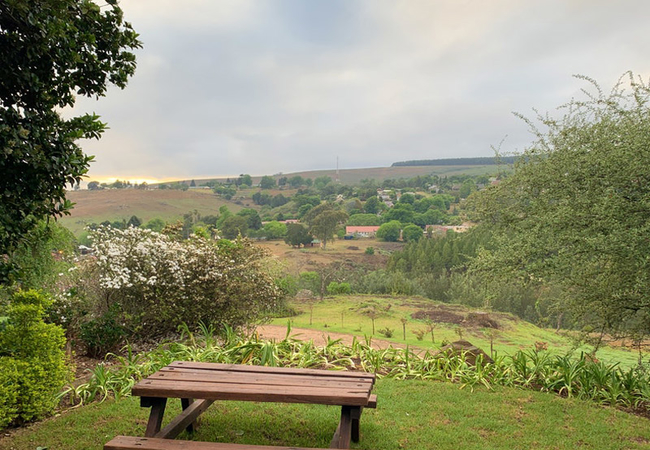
343,433
356,415
185,403
157,406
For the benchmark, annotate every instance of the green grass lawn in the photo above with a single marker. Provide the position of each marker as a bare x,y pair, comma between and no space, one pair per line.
409,415
344,314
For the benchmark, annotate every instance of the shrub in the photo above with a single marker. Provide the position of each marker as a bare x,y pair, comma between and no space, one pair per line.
370,251
335,288
386,332
33,367
103,334
158,282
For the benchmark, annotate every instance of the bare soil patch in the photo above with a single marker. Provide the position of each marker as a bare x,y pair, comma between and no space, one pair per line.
455,315
319,338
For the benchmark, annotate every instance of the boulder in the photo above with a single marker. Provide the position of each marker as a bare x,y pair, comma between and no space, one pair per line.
470,351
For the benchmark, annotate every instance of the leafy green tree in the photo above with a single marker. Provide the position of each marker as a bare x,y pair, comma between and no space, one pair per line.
407,198
412,233
297,235
574,214
372,205
156,224
321,182
244,180
233,226
296,181
52,51
94,186
323,221
402,212
253,220
389,231
279,200
275,230
267,182
134,221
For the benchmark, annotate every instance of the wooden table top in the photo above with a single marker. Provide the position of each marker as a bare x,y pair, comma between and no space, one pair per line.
214,381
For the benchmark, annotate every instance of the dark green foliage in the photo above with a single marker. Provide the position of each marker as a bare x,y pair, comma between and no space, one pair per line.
336,288
323,221
574,214
253,220
234,226
46,251
267,182
412,233
134,221
389,231
372,205
33,366
402,212
103,334
51,52
275,230
297,235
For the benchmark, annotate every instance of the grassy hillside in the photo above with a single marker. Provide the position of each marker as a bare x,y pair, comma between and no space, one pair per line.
419,415
351,314
118,204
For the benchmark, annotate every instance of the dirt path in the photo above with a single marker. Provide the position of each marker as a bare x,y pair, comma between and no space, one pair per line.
278,332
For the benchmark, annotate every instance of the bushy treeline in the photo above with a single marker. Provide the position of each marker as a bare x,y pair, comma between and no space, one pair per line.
478,161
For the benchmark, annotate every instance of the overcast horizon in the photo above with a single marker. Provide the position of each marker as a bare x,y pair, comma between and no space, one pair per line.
230,87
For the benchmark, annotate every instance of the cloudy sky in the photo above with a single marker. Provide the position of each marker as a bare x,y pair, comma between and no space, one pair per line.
225,87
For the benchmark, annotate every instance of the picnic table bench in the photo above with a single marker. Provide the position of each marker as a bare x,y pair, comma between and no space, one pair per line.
198,385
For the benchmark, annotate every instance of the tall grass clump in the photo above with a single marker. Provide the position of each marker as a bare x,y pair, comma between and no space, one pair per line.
579,376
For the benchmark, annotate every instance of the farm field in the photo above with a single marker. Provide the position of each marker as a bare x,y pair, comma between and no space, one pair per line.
350,314
307,258
118,204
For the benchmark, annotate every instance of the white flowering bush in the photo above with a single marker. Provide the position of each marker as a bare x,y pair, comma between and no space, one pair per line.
159,282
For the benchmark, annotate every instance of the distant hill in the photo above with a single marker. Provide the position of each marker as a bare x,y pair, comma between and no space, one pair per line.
479,161
354,176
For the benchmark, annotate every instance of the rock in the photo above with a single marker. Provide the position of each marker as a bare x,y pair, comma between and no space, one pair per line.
470,351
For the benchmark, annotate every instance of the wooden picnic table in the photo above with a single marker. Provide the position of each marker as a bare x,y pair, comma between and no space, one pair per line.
198,385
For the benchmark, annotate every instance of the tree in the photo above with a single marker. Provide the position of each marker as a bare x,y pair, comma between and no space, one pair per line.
253,220
267,182
233,226
323,221
244,180
574,213
275,230
412,233
94,186
297,235
372,205
134,221
389,231
50,52
296,181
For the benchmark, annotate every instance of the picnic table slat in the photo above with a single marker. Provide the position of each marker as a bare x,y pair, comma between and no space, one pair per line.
226,391
260,379
140,443
271,370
